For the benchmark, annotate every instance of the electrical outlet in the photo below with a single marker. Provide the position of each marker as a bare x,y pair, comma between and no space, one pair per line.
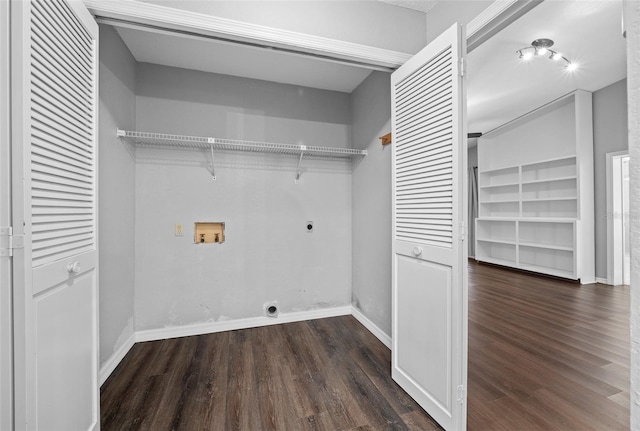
179,231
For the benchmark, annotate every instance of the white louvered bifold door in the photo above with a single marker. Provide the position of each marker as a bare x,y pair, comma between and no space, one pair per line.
56,135
429,201
62,135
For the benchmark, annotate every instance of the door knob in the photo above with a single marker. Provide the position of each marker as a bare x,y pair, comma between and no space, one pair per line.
73,268
417,251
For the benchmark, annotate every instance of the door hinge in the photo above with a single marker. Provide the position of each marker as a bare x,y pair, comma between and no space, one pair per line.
463,231
461,68
460,398
9,241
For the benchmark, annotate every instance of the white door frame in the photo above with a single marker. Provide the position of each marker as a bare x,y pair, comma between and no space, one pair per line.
615,257
6,318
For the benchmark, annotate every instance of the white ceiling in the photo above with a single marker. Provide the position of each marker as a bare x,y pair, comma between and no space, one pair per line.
240,60
501,87
419,5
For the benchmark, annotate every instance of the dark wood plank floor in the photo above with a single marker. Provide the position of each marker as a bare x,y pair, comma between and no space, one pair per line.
546,354
326,374
543,355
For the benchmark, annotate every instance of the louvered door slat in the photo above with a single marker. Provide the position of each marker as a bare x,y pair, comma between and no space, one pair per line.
439,115
54,84
60,115
59,161
58,194
424,154
49,134
425,166
438,110
51,141
53,234
436,209
53,132
421,175
70,69
44,228
61,190
429,187
419,153
432,141
406,86
63,101
47,113
45,149
425,136
58,202
47,182
409,150
437,127
84,38
418,182
76,40
51,170
436,94
63,133
65,248
433,89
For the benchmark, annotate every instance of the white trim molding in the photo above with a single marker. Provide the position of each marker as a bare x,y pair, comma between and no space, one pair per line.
371,327
232,325
615,255
137,14
114,360
494,18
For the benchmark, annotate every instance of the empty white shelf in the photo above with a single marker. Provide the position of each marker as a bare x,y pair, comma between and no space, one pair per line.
546,246
497,240
550,180
179,142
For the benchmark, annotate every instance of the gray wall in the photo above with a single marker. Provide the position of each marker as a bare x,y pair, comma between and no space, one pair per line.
371,206
267,255
610,134
116,193
365,22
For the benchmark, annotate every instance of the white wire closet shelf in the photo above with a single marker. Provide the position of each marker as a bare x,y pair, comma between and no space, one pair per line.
168,141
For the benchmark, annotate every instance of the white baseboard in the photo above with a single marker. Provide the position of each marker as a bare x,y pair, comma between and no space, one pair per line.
113,361
601,280
372,327
231,325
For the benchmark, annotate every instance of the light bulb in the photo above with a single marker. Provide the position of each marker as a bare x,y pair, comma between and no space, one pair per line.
556,56
541,51
572,67
527,55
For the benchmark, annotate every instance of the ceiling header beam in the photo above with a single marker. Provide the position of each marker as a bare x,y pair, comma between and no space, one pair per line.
150,17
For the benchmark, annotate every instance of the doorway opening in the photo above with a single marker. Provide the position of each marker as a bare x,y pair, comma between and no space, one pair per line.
618,252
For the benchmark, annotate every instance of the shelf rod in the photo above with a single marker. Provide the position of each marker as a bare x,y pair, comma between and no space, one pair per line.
298,171
212,141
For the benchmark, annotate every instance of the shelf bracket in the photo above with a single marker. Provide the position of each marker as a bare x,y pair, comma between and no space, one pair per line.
303,148
211,142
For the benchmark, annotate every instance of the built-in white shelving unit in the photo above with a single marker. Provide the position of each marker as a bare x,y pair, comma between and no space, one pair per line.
181,142
535,191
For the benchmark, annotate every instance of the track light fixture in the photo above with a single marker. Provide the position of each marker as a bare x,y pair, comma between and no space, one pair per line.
542,48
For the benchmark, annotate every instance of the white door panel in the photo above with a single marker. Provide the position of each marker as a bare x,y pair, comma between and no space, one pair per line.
65,364
54,63
424,335
429,358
